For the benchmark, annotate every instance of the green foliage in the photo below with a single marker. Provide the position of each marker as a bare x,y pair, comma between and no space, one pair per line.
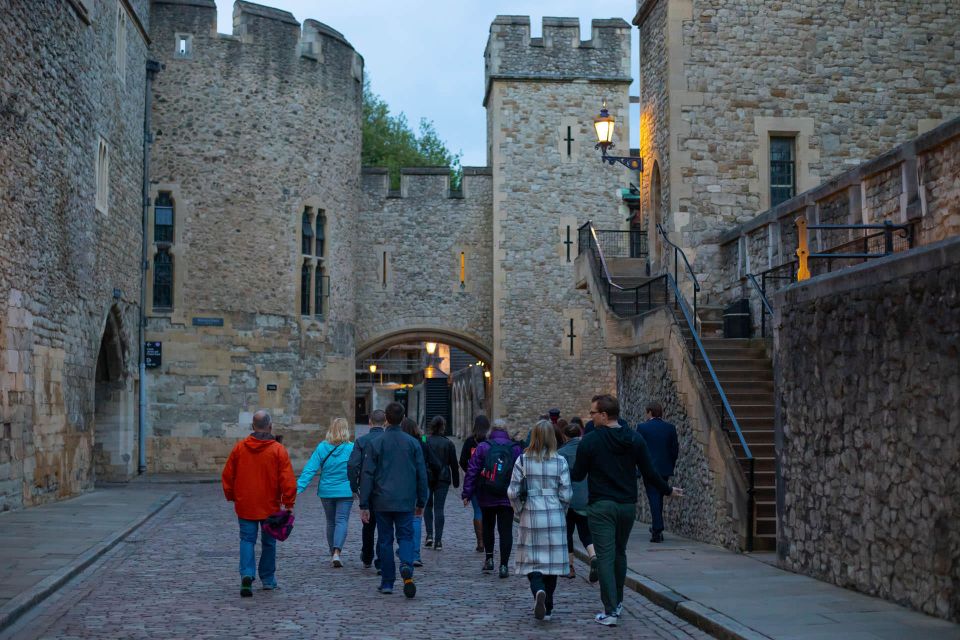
388,141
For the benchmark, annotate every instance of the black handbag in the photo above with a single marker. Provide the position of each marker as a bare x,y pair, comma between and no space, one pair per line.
522,491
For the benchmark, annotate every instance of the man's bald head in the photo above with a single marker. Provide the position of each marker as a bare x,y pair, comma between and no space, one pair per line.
262,421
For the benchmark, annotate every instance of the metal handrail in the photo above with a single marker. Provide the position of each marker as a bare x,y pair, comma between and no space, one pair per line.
766,304
676,249
751,476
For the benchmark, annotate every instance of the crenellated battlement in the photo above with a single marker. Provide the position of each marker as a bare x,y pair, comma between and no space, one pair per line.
559,54
426,183
273,32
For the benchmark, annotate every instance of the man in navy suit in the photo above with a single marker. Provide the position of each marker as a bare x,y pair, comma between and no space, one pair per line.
661,439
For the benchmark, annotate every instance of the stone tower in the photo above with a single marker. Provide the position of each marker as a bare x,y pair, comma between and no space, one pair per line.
541,95
255,187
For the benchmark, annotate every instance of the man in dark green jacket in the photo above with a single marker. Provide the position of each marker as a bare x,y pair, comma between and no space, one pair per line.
609,458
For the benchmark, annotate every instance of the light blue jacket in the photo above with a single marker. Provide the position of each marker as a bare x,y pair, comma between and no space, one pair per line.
333,478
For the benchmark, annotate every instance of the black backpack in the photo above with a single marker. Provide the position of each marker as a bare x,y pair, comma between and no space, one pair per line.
497,469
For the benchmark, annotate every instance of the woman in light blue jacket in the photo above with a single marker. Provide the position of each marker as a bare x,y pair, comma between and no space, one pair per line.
329,460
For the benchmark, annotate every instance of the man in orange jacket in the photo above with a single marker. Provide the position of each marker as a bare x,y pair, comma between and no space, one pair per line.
257,479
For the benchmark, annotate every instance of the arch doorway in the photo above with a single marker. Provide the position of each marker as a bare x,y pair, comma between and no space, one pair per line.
430,371
114,405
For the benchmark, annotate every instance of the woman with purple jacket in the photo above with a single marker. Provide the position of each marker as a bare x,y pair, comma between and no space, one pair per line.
488,476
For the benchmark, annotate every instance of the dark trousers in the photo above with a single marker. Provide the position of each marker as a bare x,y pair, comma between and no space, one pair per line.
433,511
656,507
540,582
368,547
500,518
610,524
575,520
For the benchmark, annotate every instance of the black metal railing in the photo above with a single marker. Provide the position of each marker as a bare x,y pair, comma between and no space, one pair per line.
765,308
689,275
589,242
890,238
623,300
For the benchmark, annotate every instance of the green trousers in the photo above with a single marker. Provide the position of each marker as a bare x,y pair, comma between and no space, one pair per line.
610,525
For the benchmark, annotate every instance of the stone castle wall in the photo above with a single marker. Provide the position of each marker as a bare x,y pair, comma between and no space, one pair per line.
703,513
62,258
917,183
848,80
251,129
423,229
869,482
543,187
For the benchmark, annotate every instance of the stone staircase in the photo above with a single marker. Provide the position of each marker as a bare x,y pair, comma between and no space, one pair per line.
746,375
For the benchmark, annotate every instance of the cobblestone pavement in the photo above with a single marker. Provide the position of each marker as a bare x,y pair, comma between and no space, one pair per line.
177,578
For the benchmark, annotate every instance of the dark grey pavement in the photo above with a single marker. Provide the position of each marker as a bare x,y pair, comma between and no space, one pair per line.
176,577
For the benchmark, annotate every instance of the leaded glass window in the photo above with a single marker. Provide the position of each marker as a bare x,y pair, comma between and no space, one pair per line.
318,291
163,280
321,232
305,289
163,218
783,182
306,225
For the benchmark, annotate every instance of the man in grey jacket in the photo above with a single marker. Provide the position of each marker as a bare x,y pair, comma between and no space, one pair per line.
378,420
393,485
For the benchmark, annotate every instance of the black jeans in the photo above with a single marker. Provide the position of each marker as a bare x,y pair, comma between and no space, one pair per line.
574,519
433,512
502,519
540,582
369,533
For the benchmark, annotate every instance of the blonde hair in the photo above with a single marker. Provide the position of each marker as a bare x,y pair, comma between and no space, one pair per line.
543,441
339,431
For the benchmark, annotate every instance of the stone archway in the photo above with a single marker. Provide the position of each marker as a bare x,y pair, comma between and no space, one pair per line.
114,404
470,344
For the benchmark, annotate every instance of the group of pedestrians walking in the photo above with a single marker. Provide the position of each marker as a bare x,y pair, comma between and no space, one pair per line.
556,482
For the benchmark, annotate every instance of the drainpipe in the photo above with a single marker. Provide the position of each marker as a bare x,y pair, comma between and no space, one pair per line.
152,68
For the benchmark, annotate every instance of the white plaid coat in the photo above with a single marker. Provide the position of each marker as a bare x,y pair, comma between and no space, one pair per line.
542,543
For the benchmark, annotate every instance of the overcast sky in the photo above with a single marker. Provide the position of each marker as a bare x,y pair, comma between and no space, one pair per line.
425,57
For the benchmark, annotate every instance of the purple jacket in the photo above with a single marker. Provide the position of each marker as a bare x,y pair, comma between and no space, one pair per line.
471,481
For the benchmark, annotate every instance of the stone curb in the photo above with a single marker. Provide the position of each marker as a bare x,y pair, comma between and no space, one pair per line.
703,617
19,605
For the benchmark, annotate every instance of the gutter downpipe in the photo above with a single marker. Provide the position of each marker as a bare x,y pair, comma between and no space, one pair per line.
152,68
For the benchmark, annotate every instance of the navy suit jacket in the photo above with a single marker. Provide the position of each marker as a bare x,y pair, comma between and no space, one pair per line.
661,438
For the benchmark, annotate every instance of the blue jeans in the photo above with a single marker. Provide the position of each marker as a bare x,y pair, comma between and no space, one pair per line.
656,507
387,522
268,552
477,511
337,511
417,536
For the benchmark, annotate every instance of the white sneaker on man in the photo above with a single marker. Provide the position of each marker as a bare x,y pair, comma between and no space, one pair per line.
606,620
619,610
336,560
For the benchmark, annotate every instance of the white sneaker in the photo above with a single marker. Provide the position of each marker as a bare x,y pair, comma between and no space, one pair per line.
606,620
336,561
619,610
540,607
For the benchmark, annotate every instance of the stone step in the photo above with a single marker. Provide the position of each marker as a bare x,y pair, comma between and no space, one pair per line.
752,423
765,494
758,449
752,411
744,397
764,542
766,526
756,436
740,375
752,364
744,386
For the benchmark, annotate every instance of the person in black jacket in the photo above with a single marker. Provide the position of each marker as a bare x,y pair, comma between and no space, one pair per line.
609,457
481,426
434,468
444,451
361,448
661,439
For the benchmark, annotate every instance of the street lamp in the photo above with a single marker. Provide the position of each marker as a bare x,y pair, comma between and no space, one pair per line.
431,347
604,125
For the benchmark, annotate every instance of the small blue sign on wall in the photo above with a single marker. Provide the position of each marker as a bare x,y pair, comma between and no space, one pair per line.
208,322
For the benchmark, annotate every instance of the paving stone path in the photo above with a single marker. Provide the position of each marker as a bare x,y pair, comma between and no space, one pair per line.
176,577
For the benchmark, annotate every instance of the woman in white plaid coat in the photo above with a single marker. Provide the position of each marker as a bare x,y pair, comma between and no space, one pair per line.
540,492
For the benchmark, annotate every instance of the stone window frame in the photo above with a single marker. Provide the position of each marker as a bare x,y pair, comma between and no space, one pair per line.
317,290
174,249
802,130
187,50
102,176
120,40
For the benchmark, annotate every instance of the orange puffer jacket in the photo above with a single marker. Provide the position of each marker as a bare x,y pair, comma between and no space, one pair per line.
258,477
